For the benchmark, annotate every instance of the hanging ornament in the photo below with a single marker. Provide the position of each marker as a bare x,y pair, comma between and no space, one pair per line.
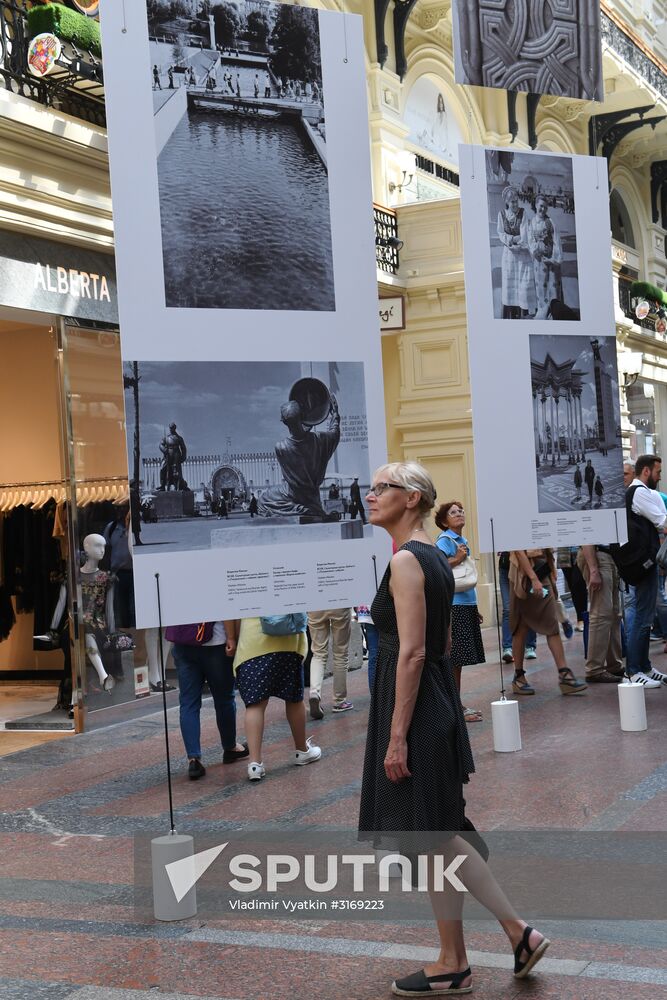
642,309
88,7
43,52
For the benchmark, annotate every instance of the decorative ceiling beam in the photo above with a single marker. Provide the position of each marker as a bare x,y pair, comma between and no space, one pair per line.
402,11
618,132
600,125
512,123
532,100
381,8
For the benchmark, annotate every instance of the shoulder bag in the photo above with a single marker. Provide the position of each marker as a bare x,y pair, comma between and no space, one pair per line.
284,624
190,635
465,576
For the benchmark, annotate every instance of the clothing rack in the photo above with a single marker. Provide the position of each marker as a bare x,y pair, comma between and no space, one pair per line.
112,488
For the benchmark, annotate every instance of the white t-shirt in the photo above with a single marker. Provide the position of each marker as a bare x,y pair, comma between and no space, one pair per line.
219,637
649,504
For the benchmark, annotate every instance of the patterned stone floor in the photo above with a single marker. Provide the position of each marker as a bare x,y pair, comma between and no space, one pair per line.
71,809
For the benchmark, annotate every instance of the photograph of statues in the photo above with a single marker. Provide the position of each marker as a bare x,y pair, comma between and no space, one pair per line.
535,46
240,128
576,423
250,453
532,231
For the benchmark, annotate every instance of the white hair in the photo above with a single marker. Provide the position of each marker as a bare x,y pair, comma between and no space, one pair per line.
412,476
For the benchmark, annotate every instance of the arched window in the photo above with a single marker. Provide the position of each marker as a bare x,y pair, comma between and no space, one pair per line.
432,125
621,227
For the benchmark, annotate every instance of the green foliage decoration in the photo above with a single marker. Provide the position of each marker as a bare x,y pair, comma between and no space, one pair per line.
66,24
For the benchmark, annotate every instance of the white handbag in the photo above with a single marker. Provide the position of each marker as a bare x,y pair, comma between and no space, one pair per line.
465,576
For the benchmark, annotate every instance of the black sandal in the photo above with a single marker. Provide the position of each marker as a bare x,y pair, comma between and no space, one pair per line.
419,984
520,685
568,683
522,969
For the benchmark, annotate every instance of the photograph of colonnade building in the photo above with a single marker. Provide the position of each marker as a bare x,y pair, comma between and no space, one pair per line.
576,422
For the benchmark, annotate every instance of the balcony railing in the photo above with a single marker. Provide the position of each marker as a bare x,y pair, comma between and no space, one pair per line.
75,87
387,243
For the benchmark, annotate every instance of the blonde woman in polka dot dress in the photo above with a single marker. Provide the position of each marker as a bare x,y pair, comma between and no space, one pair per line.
418,755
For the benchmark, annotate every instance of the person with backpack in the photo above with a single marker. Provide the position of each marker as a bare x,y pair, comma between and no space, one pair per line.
647,520
203,653
269,663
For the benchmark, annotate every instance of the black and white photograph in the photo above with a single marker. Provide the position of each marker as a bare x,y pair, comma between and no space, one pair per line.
247,453
238,105
535,46
576,423
532,233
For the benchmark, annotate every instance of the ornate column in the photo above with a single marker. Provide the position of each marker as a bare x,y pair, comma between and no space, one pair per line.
582,428
536,428
553,450
558,425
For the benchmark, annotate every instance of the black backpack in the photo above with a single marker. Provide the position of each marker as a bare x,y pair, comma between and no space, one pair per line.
636,558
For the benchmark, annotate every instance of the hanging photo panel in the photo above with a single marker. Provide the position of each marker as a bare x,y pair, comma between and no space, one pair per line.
542,348
248,305
240,140
535,46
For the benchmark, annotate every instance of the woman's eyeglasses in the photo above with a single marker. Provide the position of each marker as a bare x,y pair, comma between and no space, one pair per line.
381,488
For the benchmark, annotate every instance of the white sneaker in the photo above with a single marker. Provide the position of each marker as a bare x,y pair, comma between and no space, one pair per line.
307,756
657,675
256,771
643,679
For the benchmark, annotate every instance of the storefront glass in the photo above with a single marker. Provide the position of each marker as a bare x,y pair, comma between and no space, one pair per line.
643,399
119,663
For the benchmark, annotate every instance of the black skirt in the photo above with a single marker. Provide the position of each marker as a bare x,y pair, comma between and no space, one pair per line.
274,675
467,645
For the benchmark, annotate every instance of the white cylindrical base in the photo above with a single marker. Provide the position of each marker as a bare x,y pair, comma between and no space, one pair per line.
506,726
632,706
164,850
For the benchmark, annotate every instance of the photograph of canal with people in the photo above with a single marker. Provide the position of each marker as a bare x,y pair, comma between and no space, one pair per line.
241,155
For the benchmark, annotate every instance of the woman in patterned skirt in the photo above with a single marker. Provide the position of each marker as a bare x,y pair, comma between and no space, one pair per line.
417,751
467,646
518,278
272,666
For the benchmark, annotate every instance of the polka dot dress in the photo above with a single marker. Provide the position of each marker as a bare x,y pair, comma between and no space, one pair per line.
273,675
439,755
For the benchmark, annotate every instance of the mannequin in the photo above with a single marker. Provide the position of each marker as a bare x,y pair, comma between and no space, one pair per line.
58,638
97,599
151,638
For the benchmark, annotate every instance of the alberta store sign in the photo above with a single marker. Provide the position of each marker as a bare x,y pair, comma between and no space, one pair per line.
56,278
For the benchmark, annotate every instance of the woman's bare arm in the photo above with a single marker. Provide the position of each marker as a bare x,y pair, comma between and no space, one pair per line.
407,587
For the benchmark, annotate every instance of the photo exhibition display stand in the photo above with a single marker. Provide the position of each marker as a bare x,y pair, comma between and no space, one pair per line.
505,711
252,321
171,847
539,301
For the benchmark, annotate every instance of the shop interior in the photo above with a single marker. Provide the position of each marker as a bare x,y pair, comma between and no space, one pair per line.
70,656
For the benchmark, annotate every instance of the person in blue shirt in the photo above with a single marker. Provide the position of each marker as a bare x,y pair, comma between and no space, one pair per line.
467,646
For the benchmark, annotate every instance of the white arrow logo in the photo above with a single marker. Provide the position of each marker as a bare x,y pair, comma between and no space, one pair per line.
185,874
